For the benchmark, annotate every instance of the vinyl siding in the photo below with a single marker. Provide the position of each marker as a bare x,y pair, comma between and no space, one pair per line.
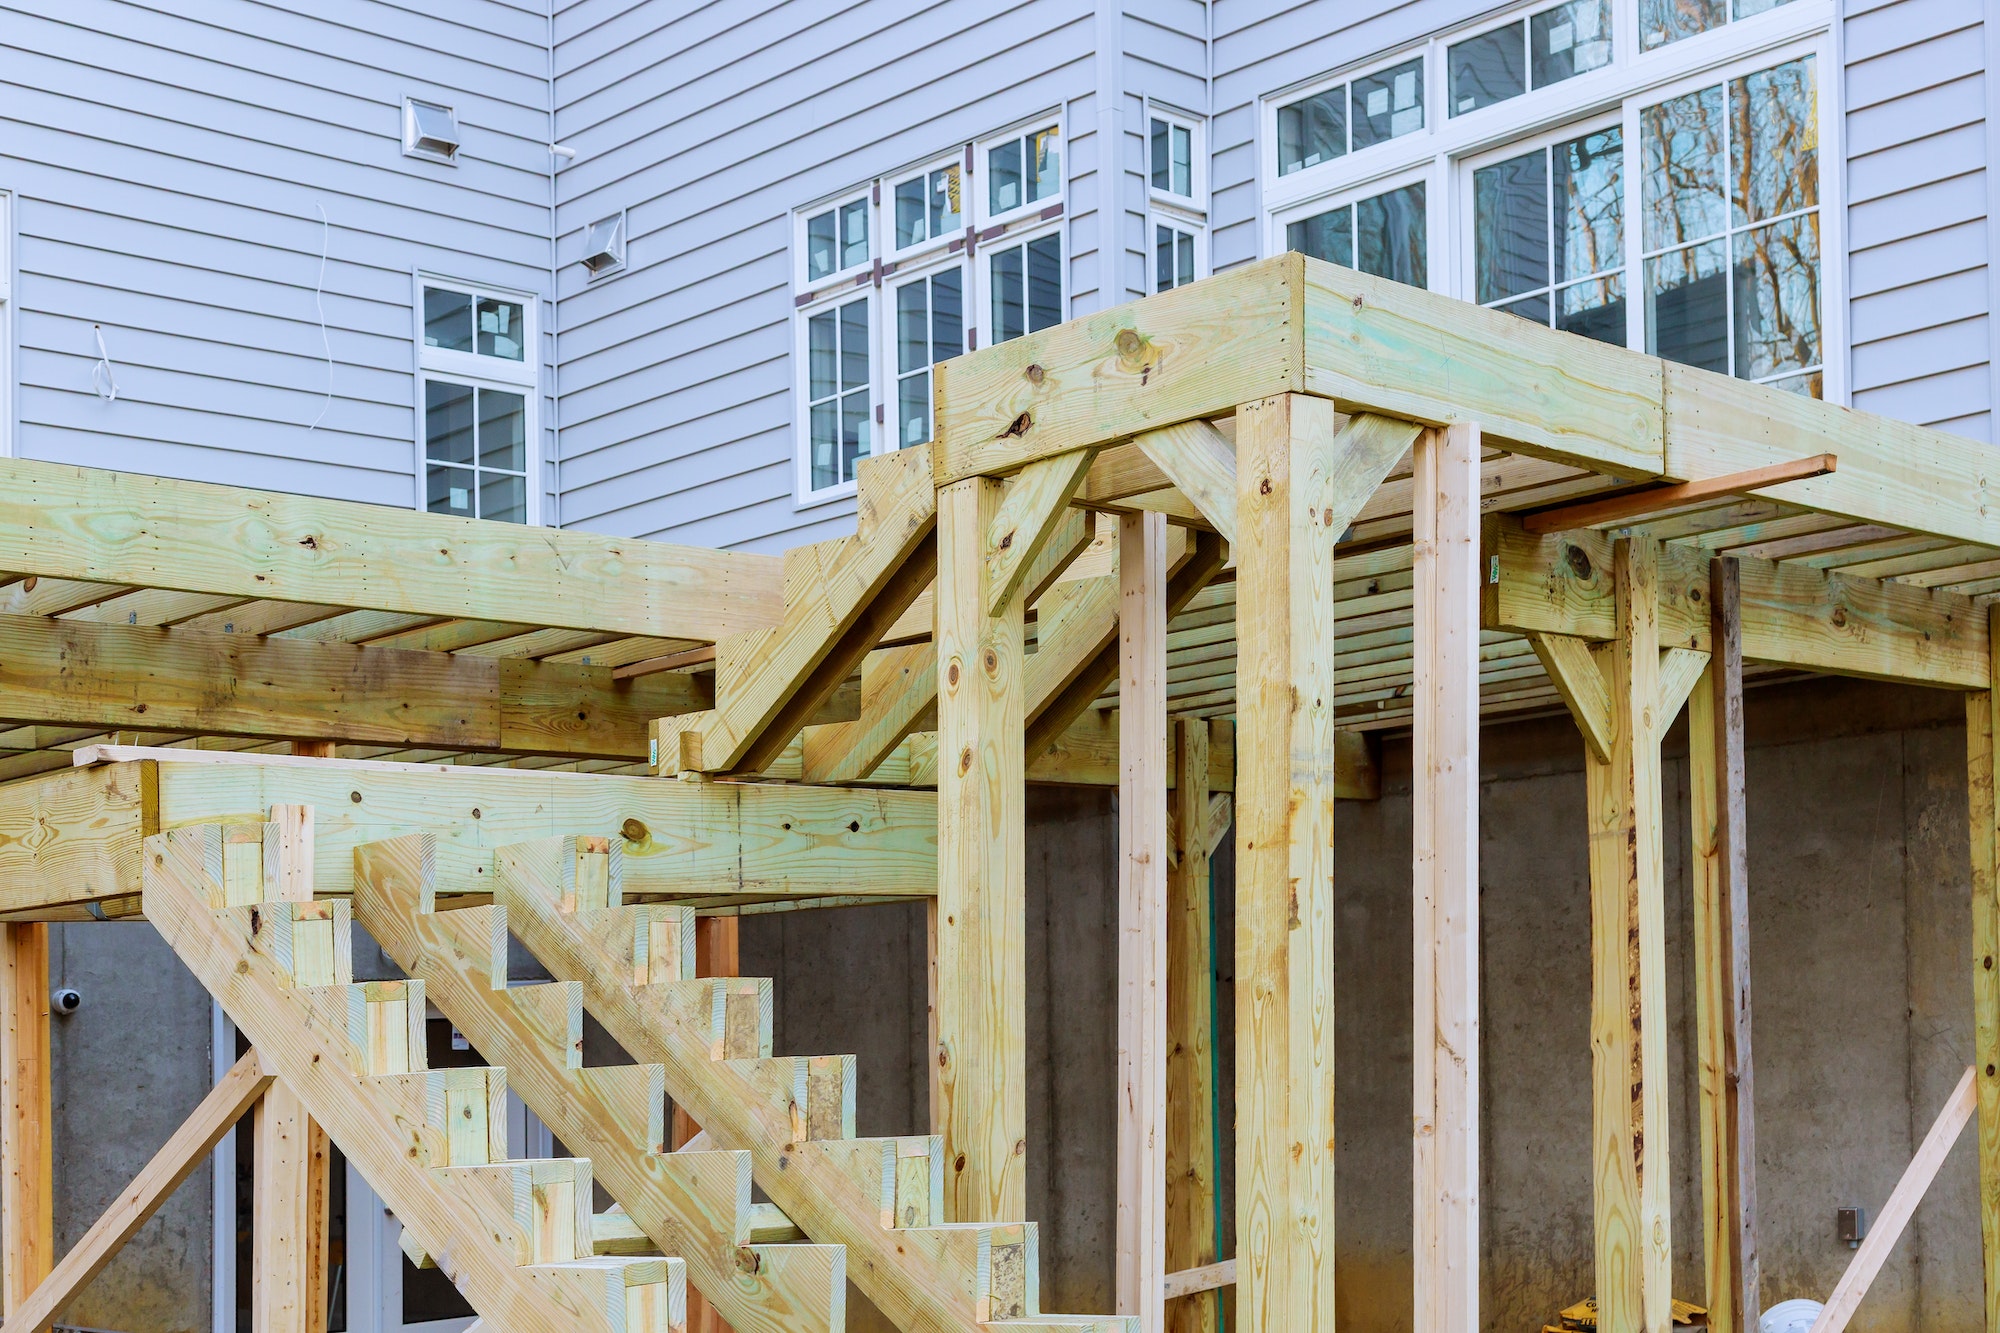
709,125
168,164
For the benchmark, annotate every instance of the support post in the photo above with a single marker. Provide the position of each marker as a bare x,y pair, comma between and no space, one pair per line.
1142,918
980,1106
1445,770
1191,1174
1299,484
1717,803
27,1185
1628,1034
1985,823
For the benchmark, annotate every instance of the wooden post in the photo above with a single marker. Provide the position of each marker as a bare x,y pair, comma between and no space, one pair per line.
1191,1175
716,954
1445,771
1979,730
1628,1035
1299,484
1722,967
981,1102
1142,918
27,1171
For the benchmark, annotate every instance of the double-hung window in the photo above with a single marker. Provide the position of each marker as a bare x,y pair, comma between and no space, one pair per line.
477,400
1177,192
1641,172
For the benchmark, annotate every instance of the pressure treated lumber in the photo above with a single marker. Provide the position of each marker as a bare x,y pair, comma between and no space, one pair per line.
176,679
154,532
1792,615
177,1159
1444,761
1718,806
1895,1214
27,1168
1192,1197
1141,1258
1984,819
981,1103
1299,481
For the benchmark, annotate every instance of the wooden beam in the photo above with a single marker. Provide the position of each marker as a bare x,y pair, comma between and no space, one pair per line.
1792,616
1192,1197
1142,919
154,532
1445,768
27,1169
176,1160
1628,1018
1613,509
1718,805
980,1103
1202,463
1896,1213
186,680
1299,482
1984,819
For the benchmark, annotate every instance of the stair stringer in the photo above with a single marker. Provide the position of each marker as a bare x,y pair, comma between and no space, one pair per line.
932,1277
696,1206
426,1140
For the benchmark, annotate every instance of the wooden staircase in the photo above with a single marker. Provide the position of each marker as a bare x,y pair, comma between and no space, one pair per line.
514,1236
878,1201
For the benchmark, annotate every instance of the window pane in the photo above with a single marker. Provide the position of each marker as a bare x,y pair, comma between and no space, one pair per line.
1328,236
503,498
853,431
1183,161
1687,308
912,218
1010,314
1389,104
447,320
1589,188
913,344
1163,178
1044,282
1389,233
819,247
1510,226
854,233
503,430
820,356
1569,40
946,207
1663,21
1163,259
825,445
1594,308
1682,143
1185,272
1489,68
1775,138
1777,297
502,332
1312,131
1003,177
1044,165
447,422
854,345
914,407
947,314
1534,309
448,490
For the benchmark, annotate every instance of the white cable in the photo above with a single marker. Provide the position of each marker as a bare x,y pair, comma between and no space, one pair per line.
319,300
101,377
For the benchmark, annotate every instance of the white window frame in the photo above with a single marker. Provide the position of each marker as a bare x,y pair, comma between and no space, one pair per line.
925,250
835,204
832,297
1020,236
481,372
1633,79
7,364
1025,215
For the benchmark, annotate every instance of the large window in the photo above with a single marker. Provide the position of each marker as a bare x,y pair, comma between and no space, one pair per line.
478,376
1661,195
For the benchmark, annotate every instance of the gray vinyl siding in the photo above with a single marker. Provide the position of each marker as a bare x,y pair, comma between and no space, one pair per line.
1916,93
167,163
710,124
